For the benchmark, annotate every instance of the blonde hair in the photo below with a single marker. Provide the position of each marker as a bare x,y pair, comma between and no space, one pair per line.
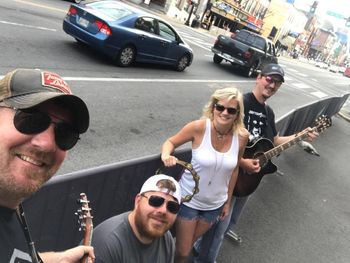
230,94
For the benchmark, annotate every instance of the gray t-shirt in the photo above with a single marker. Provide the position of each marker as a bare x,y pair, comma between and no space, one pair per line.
115,242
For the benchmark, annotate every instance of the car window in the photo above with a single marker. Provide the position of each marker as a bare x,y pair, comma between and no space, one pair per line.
112,10
146,24
250,39
166,32
269,48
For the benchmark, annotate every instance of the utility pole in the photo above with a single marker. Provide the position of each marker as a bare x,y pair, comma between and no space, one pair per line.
192,3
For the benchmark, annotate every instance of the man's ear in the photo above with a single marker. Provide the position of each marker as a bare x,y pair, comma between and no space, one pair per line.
137,199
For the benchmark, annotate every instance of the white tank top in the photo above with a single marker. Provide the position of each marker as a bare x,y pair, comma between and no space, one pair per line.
215,170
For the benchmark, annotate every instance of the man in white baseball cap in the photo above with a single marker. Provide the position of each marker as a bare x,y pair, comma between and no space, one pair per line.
142,235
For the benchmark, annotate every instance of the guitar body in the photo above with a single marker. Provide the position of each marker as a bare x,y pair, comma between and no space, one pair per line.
247,183
263,150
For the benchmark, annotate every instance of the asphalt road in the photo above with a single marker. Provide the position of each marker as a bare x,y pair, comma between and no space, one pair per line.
133,110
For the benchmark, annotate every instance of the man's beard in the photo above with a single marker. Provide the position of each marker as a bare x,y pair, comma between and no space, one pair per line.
10,189
146,228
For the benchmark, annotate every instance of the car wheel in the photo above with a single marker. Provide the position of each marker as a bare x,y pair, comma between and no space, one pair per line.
126,56
217,59
250,71
182,63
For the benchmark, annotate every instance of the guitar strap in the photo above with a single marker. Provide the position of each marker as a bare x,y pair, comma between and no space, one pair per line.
21,218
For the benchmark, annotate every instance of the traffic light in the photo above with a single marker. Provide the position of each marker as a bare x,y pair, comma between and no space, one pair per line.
347,23
313,8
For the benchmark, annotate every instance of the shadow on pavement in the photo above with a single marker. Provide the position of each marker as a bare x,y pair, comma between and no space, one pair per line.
304,214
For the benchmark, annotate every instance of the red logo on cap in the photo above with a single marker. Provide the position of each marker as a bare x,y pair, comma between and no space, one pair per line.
53,80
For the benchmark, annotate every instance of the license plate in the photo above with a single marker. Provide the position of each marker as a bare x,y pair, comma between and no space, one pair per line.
83,22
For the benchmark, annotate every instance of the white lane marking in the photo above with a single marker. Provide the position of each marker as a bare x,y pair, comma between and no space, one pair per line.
292,70
42,6
314,80
319,94
302,74
156,80
28,26
301,86
196,44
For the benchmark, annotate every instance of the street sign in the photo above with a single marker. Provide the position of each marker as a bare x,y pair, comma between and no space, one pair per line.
331,13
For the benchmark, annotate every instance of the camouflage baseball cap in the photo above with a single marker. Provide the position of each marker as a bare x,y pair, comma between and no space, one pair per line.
26,88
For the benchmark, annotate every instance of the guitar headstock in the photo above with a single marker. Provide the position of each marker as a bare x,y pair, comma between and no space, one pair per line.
84,214
322,122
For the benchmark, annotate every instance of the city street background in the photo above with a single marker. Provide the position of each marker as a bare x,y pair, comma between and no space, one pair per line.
302,216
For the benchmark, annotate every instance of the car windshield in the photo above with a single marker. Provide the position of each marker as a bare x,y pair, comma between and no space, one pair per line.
250,39
112,10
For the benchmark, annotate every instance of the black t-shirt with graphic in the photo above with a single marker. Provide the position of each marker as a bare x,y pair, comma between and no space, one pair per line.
13,245
259,119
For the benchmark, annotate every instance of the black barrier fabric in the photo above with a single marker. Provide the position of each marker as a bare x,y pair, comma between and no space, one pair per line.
111,188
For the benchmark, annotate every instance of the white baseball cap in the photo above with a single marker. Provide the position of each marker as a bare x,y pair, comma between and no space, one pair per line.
160,183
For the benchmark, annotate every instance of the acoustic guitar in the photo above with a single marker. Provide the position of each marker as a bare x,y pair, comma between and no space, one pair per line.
85,220
263,150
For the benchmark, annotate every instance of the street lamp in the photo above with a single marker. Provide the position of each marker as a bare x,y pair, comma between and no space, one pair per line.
192,3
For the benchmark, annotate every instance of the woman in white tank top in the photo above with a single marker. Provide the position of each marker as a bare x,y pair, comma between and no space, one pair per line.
218,142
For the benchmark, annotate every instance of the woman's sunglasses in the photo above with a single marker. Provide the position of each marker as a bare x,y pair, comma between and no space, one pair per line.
157,201
221,108
34,122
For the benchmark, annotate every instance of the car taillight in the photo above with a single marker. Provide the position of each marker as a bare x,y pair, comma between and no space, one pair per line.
72,11
103,28
247,55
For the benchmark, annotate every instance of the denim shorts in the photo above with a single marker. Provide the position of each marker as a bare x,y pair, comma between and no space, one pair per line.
210,216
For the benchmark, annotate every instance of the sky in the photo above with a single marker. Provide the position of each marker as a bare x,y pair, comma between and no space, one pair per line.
341,7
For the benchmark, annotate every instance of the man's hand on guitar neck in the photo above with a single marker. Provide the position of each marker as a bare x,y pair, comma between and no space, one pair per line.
311,134
250,166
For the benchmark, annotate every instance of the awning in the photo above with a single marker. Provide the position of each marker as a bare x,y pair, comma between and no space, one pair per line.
287,41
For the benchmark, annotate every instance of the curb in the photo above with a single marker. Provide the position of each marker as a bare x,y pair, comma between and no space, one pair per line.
344,114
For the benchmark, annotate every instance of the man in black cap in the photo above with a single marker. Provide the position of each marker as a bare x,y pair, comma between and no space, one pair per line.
259,119
40,120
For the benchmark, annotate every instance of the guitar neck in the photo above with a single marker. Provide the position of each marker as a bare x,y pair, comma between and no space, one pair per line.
284,146
87,237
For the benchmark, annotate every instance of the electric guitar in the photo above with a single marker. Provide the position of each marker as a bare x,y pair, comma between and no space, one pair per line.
263,150
85,220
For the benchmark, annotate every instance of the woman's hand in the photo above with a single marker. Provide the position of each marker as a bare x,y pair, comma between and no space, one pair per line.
225,210
169,160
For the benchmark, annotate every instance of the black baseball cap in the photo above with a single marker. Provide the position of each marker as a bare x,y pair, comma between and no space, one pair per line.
26,88
273,69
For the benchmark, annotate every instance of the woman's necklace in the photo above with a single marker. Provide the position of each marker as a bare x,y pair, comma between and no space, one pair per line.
217,167
220,135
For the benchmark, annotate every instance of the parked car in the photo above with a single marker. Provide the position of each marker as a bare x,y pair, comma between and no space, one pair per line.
347,72
321,64
333,68
127,34
341,69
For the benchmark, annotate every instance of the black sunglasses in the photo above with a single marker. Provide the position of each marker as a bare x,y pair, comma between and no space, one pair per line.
34,122
221,108
157,201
